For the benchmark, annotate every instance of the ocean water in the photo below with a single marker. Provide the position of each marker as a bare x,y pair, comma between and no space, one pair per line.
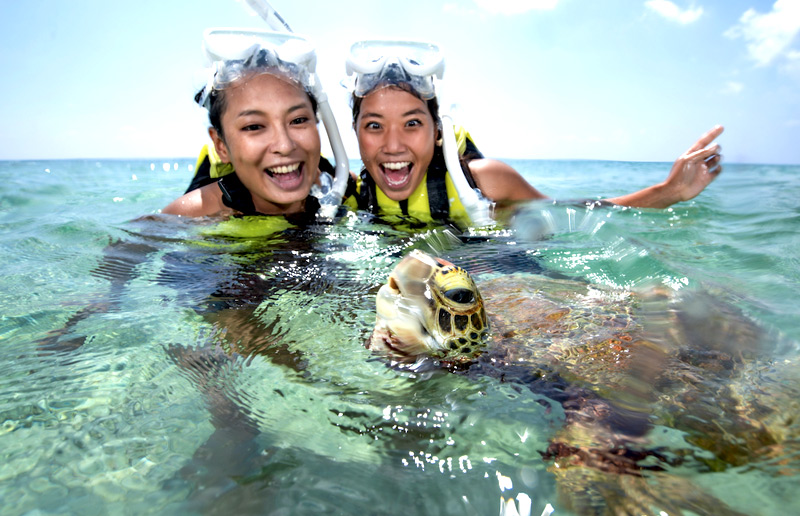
157,365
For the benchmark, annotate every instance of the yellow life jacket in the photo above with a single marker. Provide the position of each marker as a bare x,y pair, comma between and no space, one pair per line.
217,167
251,226
418,205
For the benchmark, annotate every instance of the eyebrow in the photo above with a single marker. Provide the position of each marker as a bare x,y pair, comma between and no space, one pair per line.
258,112
415,111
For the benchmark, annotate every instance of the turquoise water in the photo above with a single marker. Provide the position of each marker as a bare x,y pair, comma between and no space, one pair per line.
134,409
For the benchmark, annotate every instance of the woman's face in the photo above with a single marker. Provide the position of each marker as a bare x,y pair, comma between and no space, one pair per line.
396,137
271,138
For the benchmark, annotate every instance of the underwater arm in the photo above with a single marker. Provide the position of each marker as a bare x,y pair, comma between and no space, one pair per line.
120,259
689,176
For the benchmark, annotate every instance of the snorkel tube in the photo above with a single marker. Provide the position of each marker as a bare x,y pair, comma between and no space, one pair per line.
329,204
477,205
421,62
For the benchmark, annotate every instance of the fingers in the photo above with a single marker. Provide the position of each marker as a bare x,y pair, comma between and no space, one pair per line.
706,139
714,164
709,156
704,154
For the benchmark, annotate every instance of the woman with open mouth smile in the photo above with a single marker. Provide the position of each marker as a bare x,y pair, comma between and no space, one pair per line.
396,135
266,146
269,134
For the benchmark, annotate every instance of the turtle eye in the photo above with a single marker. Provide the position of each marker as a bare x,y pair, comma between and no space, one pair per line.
460,295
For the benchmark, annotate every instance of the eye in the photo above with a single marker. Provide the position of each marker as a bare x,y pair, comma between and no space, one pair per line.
372,126
460,295
252,127
300,120
414,123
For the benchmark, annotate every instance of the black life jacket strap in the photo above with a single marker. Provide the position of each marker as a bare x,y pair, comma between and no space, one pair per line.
367,198
236,196
202,175
438,202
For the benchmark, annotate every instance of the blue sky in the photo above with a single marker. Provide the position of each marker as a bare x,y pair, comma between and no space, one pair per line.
633,80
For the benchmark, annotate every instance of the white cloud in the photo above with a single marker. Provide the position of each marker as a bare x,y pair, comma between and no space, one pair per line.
769,35
674,13
516,6
732,88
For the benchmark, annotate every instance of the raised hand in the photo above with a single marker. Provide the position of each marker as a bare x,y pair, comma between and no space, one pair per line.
696,168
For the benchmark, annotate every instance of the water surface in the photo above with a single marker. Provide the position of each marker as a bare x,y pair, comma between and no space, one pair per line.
137,407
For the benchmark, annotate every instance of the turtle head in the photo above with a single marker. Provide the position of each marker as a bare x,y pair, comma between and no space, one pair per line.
429,307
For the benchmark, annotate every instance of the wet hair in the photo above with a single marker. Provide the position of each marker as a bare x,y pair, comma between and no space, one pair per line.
216,101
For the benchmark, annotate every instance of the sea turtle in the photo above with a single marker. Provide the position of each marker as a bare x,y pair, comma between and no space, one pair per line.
619,364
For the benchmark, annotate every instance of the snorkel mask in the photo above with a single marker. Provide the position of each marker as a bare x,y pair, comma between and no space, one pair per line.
380,63
235,53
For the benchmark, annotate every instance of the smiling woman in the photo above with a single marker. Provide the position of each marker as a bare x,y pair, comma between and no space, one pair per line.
396,136
264,125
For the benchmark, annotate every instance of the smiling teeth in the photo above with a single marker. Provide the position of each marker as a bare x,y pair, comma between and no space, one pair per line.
284,169
396,166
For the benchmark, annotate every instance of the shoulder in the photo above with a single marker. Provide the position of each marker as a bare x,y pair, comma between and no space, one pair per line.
201,202
500,182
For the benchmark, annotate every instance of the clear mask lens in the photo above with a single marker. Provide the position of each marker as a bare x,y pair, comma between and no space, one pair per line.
234,53
378,63
222,44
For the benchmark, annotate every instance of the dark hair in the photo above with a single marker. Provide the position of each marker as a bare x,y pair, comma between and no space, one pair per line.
433,104
217,104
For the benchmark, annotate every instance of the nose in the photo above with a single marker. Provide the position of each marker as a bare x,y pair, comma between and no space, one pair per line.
394,143
282,142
